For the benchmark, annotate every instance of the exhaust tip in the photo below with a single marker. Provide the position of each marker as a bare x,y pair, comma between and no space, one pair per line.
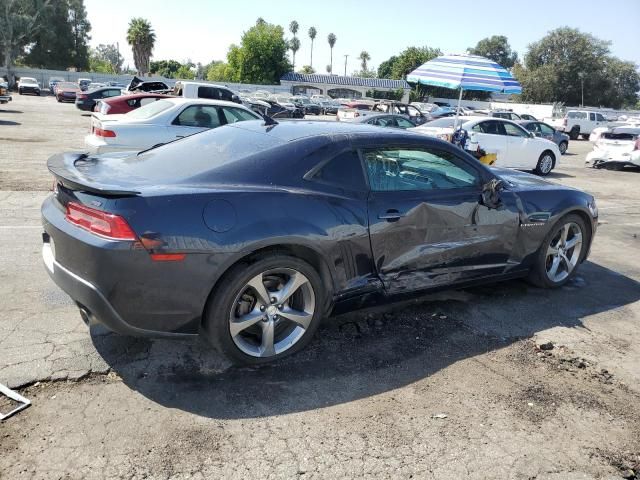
85,315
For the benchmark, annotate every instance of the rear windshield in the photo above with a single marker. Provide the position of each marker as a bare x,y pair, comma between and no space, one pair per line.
150,110
202,152
619,136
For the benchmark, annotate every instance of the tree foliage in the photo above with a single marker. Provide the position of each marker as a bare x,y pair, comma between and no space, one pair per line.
331,40
496,48
142,38
165,68
312,35
364,58
552,68
294,46
19,22
308,69
106,59
261,57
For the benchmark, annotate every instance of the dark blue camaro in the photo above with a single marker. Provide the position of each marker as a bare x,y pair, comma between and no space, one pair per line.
252,233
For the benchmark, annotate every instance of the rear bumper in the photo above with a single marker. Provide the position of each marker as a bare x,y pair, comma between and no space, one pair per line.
598,158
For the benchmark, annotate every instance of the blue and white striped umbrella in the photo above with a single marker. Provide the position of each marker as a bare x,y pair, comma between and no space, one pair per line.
468,72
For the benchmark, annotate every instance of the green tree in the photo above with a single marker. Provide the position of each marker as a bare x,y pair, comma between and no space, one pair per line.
553,65
185,72
294,46
19,22
364,58
80,28
141,37
308,69
496,48
217,72
110,55
312,35
364,73
385,69
52,47
261,56
331,39
293,27
165,68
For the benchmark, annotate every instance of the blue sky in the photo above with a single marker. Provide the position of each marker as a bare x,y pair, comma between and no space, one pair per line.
202,30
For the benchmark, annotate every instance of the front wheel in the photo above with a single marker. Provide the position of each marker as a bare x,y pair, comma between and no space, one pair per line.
563,147
561,252
545,163
265,310
574,133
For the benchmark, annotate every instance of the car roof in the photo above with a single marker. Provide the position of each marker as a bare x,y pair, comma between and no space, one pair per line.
476,120
201,101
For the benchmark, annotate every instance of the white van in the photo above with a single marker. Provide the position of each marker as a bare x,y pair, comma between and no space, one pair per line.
204,90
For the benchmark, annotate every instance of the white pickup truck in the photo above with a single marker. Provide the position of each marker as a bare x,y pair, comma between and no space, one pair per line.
579,122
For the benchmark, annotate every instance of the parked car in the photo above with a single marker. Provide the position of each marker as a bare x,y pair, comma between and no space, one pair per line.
67,91
390,120
95,86
505,114
514,146
526,116
623,121
137,85
84,83
543,130
252,234
115,84
307,106
355,108
442,112
5,97
283,110
28,85
87,100
328,107
425,107
204,90
442,104
161,122
616,149
126,103
580,122
363,108
53,81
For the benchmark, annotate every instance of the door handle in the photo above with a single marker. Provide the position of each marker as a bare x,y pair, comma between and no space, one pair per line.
391,215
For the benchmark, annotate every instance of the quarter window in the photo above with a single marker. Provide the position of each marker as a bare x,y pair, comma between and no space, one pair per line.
514,131
233,115
419,169
344,171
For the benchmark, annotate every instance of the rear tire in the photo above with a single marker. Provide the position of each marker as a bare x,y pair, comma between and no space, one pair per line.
250,329
563,147
574,133
556,252
546,162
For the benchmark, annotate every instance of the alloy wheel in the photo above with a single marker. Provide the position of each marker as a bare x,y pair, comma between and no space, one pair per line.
563,148
546,163
272,312
563,252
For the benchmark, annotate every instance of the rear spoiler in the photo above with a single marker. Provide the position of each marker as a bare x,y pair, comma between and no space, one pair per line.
72,169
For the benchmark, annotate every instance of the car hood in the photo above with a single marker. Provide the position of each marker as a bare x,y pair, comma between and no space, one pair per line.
526,181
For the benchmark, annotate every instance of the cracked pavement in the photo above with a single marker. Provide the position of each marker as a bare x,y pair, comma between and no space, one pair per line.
447,386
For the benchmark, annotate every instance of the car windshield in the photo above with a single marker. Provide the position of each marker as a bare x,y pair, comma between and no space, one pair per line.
619,136
441,122
150,110
28,80
67,85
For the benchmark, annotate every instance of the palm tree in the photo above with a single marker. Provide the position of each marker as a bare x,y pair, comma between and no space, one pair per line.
331,38
294,46
141,37
312,36
293,27
364,58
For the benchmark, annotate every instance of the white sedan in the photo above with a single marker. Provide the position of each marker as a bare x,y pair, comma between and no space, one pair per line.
616,149
514,146
161,122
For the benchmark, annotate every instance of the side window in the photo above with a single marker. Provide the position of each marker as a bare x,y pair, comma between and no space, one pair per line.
201,116
208,92
113,93
385,122
592,117
134,103
233,115
600,118
514,131
225,95
413,111
546,129
420,169
145,101
404,123
532,127
344,171
492,127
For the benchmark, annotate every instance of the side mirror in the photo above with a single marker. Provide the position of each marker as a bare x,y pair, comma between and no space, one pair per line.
235,98
491,193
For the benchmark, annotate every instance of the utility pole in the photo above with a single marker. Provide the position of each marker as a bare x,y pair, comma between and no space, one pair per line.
345,65
581,75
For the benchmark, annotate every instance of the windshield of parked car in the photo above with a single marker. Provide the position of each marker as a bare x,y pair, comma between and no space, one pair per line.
150,110
619,136
67,85
28,80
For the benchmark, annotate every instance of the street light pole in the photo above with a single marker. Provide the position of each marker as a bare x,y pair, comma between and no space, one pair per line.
345,65
581,75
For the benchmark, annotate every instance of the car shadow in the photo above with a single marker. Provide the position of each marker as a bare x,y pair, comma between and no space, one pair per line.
9,122
10,111
554,174
364,353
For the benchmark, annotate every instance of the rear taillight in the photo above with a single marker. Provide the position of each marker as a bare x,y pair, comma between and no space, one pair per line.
101,132
106,225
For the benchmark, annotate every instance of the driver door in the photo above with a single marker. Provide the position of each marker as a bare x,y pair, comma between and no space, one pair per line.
427,226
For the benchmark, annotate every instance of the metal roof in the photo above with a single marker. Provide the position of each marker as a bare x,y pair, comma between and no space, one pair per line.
345,81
